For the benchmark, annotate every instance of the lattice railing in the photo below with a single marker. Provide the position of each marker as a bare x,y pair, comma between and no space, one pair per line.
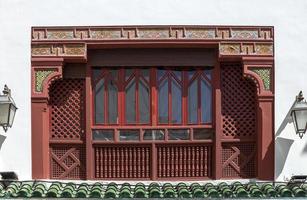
67,162
184,161
67,109
238,103
238,160
122,161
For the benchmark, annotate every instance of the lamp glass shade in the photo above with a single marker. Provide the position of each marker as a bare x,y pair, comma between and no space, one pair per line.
299,116
7,111
4,110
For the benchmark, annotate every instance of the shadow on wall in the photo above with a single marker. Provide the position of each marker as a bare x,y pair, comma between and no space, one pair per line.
282,145
2,139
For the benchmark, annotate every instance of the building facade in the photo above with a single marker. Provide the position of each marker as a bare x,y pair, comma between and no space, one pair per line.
152,102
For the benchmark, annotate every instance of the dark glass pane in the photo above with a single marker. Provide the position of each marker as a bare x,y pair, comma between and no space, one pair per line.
203,134
154,134
176,103
191,74
130,102
178,134
163,102
128,135
99,102
192,102
106,135
206,102
208,73
145,73
96,73
114,73
161,73
177,74
143,102
128,73
112,101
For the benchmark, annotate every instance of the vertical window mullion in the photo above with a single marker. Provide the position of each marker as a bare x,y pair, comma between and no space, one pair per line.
169,97
106,117
198,98
121,96
154,101
184,98
137,82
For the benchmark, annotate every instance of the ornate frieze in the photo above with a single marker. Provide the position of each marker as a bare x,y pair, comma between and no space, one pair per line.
154,32
40,76
265,75
246,49
58,50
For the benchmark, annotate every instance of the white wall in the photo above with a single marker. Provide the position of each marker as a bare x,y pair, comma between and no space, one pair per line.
17,16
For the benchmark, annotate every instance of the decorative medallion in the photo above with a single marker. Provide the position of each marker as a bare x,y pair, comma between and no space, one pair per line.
265,75
40,76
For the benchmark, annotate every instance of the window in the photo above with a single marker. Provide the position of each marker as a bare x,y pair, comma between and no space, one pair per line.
152,97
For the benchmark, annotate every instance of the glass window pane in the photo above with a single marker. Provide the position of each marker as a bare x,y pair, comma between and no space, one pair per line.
128,135
161,73
130,102
143,103
177,74
191,74
176,103
157,134
206,102
106,135
192,102
178,134
96,73
114,73
99,102
208,73
112,101
145,73
203,134
163,102
128,73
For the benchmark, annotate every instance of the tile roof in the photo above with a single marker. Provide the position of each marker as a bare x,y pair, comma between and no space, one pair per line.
154,190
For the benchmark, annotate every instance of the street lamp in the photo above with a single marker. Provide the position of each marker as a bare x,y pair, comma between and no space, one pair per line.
299,115
7,109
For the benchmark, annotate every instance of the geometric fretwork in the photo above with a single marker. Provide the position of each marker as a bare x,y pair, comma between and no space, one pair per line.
67,162
67,109
238,103
238,160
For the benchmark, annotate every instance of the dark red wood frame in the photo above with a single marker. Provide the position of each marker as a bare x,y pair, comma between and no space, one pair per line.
252,46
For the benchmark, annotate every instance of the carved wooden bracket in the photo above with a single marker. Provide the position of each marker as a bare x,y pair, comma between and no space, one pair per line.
42,77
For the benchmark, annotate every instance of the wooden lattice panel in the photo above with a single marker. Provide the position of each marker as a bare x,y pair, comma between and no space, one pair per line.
67,109
238,103
122,162
184,161
67,162
238,160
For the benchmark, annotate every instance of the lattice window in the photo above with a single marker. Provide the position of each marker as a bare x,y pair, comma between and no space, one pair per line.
67,162
67,109
238,160
238,103
122,161
184,161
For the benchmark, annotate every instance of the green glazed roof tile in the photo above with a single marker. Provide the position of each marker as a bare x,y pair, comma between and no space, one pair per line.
153,190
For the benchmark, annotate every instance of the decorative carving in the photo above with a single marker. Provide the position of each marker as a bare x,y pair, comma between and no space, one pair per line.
40,76
264,49
60,34
154,33
265,75
106,33
229,49
58,50
244,34
200,33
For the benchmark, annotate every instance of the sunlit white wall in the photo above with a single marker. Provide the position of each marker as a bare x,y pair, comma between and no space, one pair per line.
288,17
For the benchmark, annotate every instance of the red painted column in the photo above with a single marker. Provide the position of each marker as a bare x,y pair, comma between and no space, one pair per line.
40,138
265,140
